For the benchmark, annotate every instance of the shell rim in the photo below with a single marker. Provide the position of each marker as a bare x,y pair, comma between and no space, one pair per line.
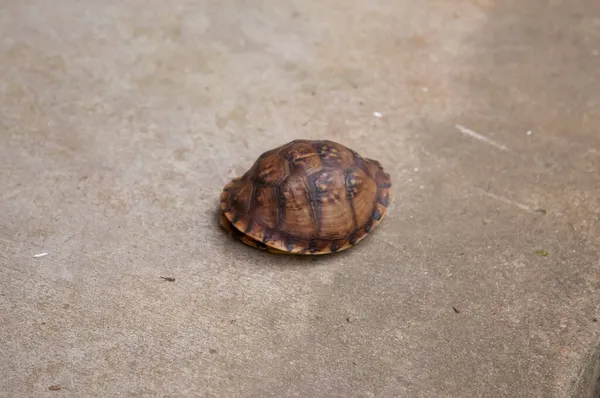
277,246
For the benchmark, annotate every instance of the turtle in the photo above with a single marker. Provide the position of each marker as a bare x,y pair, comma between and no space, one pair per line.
306,197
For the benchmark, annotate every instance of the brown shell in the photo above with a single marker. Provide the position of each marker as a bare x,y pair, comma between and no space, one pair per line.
306,197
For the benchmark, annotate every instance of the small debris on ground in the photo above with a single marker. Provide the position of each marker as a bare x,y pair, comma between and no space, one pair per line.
212,350
594,319
543,211
40,255
377,114
456,310
55,387
168,278
529,132
348,319
542,253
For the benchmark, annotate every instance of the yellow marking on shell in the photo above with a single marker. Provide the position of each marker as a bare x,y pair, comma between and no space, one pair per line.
329,152
353,185
323,182
265,173
304,156
241,191
331,198
321,186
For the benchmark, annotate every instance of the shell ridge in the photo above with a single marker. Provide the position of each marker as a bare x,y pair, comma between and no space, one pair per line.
314,203
250,206
280,206
349,196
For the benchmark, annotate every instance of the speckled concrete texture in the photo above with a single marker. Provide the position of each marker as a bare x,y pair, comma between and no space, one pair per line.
121,121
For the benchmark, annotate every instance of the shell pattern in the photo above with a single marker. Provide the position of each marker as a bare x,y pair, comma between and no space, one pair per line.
306,197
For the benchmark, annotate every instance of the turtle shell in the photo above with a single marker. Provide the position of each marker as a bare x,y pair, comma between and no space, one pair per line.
306,197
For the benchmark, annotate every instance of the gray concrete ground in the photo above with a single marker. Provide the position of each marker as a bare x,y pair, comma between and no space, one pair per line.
120,122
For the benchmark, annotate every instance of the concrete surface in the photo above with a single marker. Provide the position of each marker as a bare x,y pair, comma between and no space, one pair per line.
120,121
